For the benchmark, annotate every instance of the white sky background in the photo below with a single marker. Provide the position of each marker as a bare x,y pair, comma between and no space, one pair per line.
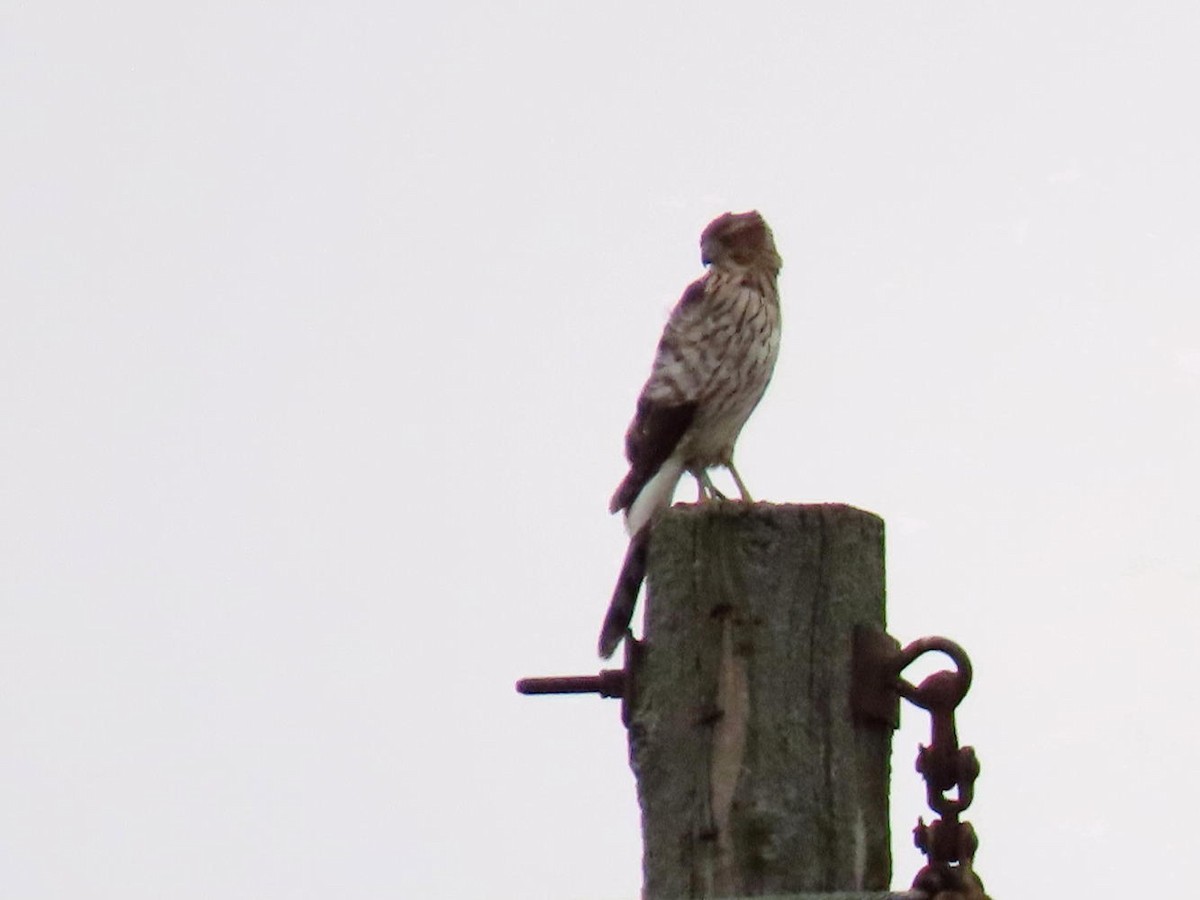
321,327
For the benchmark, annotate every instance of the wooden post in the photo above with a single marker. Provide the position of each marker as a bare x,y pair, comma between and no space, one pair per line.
753,776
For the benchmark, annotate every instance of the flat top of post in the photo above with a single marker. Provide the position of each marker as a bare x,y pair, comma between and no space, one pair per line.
737,508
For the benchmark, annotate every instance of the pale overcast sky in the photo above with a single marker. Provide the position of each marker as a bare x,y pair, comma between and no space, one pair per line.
321,326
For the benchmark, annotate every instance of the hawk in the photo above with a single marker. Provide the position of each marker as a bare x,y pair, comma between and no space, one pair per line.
713,363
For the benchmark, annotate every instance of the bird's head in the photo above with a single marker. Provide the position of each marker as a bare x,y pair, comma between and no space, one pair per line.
741,240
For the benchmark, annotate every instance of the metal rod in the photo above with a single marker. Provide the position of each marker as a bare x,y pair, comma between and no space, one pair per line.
609,683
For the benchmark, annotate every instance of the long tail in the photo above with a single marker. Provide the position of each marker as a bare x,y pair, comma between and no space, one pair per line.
655,495
624,598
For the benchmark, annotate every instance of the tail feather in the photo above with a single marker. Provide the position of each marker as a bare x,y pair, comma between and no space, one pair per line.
654,496
624,598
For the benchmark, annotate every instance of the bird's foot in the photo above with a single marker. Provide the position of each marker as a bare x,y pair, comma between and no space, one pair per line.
708,490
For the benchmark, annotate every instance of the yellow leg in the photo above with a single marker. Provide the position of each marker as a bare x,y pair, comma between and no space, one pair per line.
713,493
741,485
708,490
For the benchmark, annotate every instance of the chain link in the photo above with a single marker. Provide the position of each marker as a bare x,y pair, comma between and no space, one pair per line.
948,843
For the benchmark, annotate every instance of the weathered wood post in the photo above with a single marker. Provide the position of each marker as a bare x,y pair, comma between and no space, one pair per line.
752,774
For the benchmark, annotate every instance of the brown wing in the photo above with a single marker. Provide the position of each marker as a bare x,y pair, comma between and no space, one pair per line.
651,439
666,407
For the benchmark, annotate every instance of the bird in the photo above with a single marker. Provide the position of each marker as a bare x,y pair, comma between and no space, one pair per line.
712,365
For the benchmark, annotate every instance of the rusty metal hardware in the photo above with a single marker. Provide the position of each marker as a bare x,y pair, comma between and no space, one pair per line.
611,683
873,694
948,843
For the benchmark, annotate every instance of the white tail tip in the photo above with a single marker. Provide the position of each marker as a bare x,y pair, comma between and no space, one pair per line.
654,496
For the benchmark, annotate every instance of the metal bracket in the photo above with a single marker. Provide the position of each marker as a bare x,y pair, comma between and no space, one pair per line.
873,695
876,689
